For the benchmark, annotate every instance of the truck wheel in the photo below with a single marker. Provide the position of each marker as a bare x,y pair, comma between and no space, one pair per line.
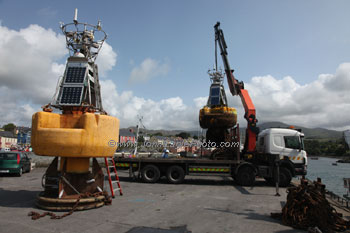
150,174
285,177
234,177
245,176
175,174
270,180
29,168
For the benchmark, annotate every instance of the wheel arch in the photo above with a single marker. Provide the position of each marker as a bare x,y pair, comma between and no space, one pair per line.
242,165
286,163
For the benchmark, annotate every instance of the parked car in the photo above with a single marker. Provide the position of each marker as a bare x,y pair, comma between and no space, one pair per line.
5,149
14,163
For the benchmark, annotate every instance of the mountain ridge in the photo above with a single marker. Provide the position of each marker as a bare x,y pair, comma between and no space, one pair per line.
310,133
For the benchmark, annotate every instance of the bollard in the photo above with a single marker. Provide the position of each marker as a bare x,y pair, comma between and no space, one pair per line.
278,178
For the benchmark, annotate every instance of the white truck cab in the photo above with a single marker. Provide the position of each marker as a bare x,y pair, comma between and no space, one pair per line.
285,142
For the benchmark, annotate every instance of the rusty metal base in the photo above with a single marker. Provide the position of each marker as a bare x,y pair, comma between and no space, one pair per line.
67,204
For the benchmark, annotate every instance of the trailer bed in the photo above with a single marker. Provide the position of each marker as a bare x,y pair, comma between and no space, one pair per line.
175,160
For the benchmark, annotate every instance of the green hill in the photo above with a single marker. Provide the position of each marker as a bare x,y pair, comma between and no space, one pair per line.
310,133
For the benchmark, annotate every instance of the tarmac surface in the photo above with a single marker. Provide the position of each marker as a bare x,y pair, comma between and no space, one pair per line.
201,204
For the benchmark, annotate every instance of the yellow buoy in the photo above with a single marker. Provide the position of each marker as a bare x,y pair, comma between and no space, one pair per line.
217,117
74,135
82,131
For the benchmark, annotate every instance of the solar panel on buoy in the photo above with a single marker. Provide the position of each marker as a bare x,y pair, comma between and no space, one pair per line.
75,75
71,95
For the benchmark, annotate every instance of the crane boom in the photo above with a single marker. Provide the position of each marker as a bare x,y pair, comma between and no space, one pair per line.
237,88
219,39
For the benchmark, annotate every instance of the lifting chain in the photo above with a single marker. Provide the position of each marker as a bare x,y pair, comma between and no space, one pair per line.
307,207
107,201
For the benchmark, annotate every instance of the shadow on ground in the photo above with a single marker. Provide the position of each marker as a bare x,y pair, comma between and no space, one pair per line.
249,215
290,231
9,175
18,199
255,216
224,180
181,229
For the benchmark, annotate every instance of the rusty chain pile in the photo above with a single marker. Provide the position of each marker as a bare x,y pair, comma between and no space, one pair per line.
107,201
307,207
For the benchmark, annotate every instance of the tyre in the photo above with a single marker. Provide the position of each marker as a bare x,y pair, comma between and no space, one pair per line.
234,177
29,168
175,174
285,177
20,172
150,174
245,176
270,180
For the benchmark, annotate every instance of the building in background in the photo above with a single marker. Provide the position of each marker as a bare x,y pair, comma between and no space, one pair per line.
7,140
125,135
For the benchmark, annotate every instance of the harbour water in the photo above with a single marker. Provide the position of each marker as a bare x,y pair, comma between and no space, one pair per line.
331,175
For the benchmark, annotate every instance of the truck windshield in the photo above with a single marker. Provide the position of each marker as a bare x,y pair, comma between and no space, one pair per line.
302,142
292,142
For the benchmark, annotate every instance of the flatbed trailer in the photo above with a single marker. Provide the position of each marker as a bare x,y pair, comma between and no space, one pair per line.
175,169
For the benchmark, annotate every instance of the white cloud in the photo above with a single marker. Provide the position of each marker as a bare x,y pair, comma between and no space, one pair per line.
170,113
200,101
12,110
148,69
27,61
30,70
324,102
106,59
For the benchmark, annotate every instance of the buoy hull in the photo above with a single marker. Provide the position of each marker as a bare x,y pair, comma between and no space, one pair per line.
74,135
217,117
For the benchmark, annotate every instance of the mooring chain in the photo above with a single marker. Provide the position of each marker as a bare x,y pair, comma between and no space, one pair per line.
107,201
307,207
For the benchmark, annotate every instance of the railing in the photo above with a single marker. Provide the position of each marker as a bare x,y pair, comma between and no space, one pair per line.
343,201
340,200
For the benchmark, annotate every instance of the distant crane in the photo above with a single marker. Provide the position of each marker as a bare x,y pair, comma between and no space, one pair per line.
139,117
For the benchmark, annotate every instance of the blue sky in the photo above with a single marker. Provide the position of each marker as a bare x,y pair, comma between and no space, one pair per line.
300,39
